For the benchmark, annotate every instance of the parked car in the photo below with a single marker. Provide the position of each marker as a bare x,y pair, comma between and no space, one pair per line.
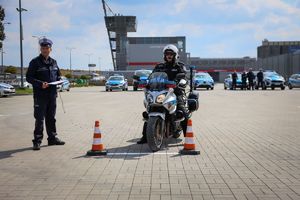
25,84
6,90
65,86
116,83
228,81
273,80
19,84
203,80
140,77
294,81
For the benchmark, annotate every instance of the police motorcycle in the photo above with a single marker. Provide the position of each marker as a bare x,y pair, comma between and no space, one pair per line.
160,102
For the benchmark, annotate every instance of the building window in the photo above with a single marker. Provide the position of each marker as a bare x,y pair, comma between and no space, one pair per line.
148,40
164,40
140,40
156,40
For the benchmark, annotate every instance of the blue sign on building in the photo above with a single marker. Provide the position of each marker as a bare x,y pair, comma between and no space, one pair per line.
293,49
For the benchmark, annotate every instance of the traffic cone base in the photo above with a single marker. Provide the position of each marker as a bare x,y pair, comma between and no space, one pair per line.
189,152
96,153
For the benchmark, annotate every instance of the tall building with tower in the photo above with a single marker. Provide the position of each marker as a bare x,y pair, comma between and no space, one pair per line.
129,53
281,56
117,27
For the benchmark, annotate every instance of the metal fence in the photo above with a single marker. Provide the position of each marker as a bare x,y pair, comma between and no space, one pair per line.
286,64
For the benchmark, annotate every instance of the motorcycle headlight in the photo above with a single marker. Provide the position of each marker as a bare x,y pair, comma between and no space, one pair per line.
160,98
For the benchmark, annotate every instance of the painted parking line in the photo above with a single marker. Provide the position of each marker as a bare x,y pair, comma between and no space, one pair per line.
137,154
16,114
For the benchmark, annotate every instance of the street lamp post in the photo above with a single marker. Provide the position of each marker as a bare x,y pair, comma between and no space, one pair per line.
70,49
99,65
2,52
20,10
89,55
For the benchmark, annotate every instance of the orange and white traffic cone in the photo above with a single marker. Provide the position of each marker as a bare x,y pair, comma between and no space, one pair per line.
189,143
97,147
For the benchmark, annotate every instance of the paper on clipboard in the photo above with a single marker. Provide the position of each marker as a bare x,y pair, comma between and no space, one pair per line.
56,83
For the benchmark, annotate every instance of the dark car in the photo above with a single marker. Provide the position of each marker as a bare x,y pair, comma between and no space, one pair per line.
139,78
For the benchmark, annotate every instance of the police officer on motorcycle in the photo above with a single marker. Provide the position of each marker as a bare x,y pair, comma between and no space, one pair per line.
171,67
41,71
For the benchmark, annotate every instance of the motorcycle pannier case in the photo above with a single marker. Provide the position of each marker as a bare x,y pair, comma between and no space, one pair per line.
193,101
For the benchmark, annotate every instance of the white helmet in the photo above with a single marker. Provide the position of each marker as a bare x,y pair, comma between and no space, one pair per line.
171,47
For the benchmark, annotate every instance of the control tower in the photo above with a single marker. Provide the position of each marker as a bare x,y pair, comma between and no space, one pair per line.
117,28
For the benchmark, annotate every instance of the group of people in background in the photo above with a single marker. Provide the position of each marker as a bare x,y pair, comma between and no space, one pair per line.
250,76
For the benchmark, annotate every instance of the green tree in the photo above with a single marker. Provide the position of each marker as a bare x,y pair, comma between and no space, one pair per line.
83,77
11,69
2,34
68,76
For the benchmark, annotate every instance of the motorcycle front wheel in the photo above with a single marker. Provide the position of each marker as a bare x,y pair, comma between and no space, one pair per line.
155,134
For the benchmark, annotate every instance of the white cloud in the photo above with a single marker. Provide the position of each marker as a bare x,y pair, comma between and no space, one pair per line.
80,24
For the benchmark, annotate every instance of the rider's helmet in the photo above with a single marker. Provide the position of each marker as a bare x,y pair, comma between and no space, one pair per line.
173,49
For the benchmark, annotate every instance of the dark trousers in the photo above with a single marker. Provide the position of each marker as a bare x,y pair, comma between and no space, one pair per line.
233,84
260,84
44,109
251,85
244,85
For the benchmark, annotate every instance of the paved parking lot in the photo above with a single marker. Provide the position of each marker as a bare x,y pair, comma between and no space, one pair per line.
249,143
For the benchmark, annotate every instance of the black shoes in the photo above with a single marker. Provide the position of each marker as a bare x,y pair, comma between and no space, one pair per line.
143,140
36,146
55,141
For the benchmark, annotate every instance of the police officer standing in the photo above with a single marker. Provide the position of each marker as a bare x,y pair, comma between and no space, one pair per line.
234,79
171,67
251,77
41,71
244,80
260,78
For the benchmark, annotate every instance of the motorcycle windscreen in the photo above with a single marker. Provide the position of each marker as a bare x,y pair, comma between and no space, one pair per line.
158,81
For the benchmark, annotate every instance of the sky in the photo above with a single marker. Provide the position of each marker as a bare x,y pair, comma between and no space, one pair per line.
213,28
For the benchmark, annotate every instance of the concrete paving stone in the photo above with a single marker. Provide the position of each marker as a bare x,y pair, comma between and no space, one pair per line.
224,197
245,153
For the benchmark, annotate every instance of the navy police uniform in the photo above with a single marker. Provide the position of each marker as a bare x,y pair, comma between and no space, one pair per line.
260,78
44,70
171,70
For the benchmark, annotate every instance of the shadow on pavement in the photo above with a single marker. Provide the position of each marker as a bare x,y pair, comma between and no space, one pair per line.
134,151
9,153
